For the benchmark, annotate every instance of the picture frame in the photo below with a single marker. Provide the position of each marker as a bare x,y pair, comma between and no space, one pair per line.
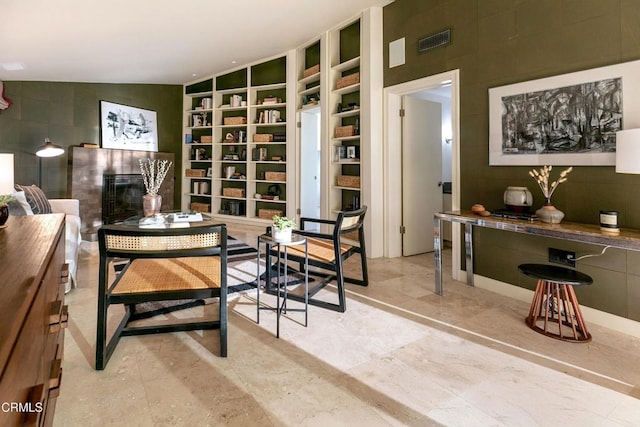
209,172
124,127
568,119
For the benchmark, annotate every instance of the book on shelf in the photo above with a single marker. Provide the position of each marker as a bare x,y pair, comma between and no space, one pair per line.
89,145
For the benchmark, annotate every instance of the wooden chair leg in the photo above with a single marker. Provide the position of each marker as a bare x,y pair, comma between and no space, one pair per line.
578,314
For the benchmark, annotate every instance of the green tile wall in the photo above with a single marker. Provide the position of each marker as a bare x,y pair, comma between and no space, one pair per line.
68,114
499,42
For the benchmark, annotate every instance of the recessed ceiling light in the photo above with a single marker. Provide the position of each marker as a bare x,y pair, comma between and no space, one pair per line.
193,75
233,62
12,66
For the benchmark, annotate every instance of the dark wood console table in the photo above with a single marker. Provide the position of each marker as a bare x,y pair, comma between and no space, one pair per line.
32,318
576,232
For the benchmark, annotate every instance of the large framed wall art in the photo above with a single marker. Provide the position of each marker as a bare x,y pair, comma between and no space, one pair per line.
128,128
570,119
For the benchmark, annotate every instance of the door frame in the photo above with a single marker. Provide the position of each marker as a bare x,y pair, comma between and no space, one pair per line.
393,160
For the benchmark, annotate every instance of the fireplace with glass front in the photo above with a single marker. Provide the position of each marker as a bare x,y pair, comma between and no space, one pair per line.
121,196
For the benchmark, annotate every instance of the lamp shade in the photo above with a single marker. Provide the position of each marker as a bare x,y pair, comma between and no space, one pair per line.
49,149
6,174
628,151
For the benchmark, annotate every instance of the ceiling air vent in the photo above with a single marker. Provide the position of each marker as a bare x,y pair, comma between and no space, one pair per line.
435,40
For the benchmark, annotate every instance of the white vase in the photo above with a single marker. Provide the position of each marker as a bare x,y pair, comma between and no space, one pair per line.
549,214
283,235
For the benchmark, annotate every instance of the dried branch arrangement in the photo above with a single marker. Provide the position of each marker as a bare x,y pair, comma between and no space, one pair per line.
542,178
153,173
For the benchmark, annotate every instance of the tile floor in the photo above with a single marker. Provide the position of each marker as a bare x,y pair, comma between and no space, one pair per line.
400,355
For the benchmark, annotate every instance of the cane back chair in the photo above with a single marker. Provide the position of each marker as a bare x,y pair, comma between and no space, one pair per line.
161,265
327,252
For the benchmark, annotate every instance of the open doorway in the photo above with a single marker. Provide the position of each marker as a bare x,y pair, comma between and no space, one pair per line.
449,82
310,165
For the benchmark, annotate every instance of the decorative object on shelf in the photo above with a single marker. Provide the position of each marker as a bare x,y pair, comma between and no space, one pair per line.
274,190
229,171
6,186
609,222
270,100
233,192
206,103
262,137
200,207
259,154
195,173
282,228
200,154
314,69
348,80
548,213
153,173
275,176
239,120
269,213
351,181
518,199
479,209
344,131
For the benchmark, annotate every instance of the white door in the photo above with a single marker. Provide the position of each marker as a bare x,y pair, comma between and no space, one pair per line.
421,172
310,166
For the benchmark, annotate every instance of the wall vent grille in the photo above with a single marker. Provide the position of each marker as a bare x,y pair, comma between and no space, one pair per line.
435,40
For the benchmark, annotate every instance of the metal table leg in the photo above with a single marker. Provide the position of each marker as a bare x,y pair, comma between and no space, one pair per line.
468,248
437,253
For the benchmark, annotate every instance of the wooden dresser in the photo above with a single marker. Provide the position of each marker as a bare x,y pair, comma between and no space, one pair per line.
32,318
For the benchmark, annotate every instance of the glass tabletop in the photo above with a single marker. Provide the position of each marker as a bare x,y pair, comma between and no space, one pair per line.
296,239
168,219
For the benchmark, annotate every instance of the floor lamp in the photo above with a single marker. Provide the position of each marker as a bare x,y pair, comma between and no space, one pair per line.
48,149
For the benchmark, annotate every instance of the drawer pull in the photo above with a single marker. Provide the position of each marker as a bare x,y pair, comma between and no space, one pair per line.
55,374
64,273
58,317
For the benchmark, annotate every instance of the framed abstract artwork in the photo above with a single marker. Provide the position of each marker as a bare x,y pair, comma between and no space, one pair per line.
570,119
128,128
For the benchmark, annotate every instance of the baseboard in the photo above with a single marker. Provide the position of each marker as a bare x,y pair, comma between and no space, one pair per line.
601,318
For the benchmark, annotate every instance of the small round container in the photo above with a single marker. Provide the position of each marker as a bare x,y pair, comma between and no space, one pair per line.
609,221
518,199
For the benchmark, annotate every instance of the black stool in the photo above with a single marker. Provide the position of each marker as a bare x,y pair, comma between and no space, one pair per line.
555,301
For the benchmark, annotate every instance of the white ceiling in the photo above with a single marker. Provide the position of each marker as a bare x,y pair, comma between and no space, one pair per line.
155,41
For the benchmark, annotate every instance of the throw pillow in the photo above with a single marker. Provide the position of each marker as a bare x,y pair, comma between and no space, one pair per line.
19,206
36,198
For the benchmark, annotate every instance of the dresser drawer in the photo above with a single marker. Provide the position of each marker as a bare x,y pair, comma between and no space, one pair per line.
23,383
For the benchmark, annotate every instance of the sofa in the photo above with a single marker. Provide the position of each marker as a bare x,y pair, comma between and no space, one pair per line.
31,201
70,207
